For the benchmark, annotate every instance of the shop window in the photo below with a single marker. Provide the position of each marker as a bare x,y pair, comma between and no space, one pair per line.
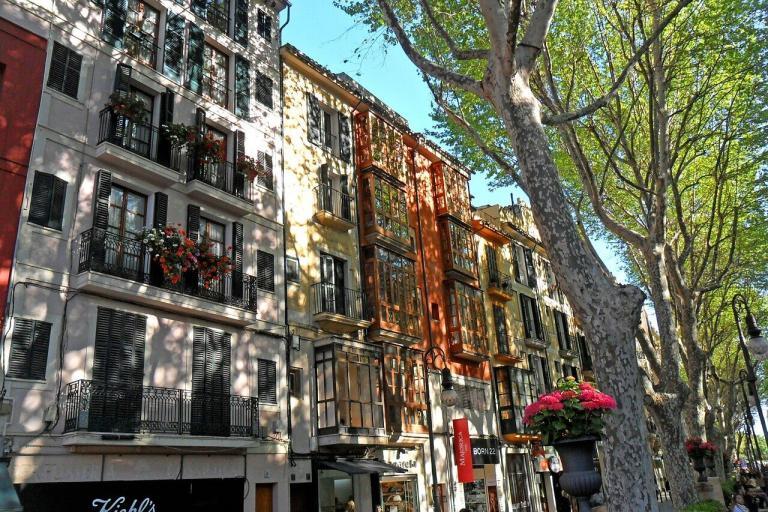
515,389
404,375
475,496
467,324
400,494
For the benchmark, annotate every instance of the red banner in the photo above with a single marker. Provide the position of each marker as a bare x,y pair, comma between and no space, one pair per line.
462,450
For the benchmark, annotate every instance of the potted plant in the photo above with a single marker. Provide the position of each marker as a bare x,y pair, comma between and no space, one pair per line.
128,106
570,418
211,268
178,134
698,450
249,167
209,150
172,250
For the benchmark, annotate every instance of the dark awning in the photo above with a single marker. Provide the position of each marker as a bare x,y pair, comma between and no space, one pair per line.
360,466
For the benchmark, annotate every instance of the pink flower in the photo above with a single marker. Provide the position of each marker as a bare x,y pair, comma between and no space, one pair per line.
585,386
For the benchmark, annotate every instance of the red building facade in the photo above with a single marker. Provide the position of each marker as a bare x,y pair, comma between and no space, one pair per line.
22,67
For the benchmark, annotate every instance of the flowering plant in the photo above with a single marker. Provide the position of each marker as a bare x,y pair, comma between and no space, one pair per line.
178,134
127,105
573,409
698,448
177,254
209,149
249,166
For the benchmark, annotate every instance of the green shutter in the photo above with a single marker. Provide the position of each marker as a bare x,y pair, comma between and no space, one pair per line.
196,47
241,22
113,22
242,86
267,381
174,47
313,119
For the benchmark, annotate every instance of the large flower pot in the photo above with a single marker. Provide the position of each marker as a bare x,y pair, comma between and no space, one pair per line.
709,462
700,467
580,478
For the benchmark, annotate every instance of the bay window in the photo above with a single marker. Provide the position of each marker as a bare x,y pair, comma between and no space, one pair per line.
466,323
390,208
404,375
458,248
395,291
451,192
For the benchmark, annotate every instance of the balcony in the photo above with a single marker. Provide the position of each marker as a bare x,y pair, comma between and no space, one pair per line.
338,310
139,149
568,353
335,209
93,406
105,261
535,343
500,285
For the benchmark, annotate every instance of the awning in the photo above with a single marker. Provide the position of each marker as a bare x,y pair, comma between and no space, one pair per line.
360,466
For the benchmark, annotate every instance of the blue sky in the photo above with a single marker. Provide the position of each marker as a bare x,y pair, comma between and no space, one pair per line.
329,36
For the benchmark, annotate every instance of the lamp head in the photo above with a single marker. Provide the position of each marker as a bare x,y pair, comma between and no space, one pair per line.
757,345
449,397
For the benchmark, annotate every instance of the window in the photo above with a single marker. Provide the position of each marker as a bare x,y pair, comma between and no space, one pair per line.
292,269
264,90
64,73
349,389
294,382
459,247
215,75
266,176
404,375
586,358
242,86
29,349
391,209
570,371
561,327
211,382
540,369
127,212
531,318
213,233
472,397
265,271
46,207
141,25
264,25
529,267
500,323
467,317
451,192
216,12
267,381
387,148
515,389
399,299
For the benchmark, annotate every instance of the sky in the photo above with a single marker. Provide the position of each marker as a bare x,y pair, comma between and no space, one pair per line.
329,36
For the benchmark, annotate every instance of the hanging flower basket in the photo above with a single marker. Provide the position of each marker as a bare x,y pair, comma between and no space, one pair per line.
178,134
212,268
209,150
248,166
128,106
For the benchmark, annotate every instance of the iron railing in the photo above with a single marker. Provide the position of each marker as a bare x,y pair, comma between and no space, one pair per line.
329,298
339,204
121,256
114,407
500,280
146,140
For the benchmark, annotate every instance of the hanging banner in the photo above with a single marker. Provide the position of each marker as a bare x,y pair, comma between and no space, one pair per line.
462,450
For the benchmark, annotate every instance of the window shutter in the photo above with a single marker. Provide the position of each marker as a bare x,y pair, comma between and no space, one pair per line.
123,78
199,361
29,349
313,119
196,45
265,271
242,86
113,22
224,369
102,191
135,366
241,22
174,46
237,259
40,203
160,219
264,90
267,381
264,25
102,344
239,177
199,7
490,256
193,221
58,69
72,78
345,141
57,203
264,162
167,100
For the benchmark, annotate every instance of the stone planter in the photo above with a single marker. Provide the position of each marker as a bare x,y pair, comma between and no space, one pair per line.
709,462
699,467
580,478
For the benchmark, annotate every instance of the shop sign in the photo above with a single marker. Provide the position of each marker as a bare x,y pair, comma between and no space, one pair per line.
121,504
462,450
485,451
404,459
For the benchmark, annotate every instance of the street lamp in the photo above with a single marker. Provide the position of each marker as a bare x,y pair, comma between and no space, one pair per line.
753,449
448,396
757,347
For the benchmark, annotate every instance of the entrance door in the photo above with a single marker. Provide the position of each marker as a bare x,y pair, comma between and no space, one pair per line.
519,483
493,499
303,497
210,382
264,497
332,288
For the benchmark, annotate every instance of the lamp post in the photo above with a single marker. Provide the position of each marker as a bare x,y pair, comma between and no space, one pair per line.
757,346
448,397
752,447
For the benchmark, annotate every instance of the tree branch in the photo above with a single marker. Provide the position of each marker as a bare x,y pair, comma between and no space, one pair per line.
535,36
457,53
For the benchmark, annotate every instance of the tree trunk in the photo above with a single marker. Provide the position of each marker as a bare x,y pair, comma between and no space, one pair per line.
608,313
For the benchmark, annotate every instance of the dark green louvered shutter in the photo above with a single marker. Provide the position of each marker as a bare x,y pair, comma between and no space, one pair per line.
264,90
173,54
193,221
237,260
46,206
242,86
29,349
200,128
267,381
160,216
102,191
211,367
64,72
241,22
167,100
239,177
200,7
266,178
196,46
113,22
314,117
199,359
345,139
265,271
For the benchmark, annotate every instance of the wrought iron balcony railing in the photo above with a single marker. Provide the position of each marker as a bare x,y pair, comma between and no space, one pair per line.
146,140
337,203
114,407
109,253
329,298
500,280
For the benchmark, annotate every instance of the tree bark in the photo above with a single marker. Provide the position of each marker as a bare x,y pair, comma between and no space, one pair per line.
608,313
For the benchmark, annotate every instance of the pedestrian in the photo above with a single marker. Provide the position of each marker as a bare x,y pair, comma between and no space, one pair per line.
350,506
739,504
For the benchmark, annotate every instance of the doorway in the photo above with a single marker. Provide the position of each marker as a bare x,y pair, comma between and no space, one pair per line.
264,501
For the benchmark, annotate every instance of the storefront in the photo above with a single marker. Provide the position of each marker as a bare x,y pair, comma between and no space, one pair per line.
403,492
225,495
478,472
361,481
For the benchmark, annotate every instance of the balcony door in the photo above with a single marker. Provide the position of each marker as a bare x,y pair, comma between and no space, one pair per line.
124,253
211,357
137,135
213,232
332,284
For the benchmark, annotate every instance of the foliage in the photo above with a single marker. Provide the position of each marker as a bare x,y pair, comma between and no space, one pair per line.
704,506
209,149
127,105
572,410
178,134
696,447
248,166
729,486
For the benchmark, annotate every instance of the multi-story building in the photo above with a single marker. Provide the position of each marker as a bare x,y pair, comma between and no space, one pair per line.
125,382
381,267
